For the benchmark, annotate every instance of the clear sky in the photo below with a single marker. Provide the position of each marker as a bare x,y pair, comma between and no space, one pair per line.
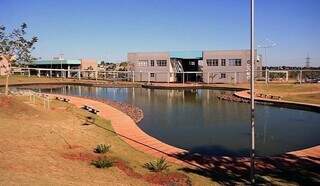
108,29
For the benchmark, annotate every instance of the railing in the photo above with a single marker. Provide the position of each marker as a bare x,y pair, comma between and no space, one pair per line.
235,77
177,65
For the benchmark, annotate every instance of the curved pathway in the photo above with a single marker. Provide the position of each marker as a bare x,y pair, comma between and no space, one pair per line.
127,130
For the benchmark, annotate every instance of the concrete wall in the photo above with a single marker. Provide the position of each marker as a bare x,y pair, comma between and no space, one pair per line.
141,65
233,74
88,63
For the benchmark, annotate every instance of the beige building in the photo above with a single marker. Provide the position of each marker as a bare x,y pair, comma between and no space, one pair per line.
228,66
153,66
220,66
89,64
4,66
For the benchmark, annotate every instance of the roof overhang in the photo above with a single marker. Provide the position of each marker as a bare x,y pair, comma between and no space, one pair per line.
187,54
57,62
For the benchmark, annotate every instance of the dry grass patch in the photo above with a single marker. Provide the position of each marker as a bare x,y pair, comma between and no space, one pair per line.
53,147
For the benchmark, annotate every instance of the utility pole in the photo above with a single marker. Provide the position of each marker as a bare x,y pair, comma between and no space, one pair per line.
308,61
267,43
252,60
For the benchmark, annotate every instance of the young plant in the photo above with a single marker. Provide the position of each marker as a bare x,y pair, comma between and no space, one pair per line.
102,163
102,148
158,165
15,49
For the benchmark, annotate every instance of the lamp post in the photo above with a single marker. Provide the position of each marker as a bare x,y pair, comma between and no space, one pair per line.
252,60
267,43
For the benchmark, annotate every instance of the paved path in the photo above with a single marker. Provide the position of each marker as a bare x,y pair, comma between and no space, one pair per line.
128,130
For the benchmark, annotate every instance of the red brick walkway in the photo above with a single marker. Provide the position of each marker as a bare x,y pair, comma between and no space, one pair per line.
128,131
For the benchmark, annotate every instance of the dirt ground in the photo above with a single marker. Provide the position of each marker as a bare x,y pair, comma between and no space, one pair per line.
39,148
55,147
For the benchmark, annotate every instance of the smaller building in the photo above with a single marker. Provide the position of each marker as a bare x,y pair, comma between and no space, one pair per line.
88,64
66,65
56,64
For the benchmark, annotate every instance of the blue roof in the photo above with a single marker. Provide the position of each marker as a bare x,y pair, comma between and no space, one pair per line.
57,62
186,54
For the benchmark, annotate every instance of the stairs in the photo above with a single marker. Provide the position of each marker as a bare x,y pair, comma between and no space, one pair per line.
176,64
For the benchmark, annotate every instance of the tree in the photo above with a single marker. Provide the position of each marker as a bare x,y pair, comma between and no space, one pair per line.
15,49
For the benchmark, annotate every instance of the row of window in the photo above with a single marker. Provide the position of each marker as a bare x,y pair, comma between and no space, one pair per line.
215,62
222,75
153,75
160,63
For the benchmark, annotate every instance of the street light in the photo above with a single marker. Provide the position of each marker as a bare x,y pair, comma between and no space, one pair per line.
267,43
252,60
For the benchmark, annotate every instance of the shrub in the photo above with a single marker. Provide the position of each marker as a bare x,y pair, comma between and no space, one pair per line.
158,165
102,148
102,163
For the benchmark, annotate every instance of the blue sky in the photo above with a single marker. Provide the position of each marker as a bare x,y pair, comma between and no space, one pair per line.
111,28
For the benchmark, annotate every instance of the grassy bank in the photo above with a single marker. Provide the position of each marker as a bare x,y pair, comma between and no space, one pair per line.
308,93
18,80
55,147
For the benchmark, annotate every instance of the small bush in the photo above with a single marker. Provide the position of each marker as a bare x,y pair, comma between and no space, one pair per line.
158,165
102,148
102,163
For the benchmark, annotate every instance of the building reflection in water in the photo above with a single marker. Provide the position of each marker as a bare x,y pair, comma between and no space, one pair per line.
197,120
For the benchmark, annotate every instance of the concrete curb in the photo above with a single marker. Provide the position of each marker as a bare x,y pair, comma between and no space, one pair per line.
288,104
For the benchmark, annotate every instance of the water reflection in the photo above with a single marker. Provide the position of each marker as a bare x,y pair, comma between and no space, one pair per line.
196,120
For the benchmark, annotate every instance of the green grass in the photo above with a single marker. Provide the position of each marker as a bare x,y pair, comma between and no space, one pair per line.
158,165
102,163
102,148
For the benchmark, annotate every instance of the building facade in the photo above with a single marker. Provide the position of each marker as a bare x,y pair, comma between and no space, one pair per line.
68,67
4,66
220,66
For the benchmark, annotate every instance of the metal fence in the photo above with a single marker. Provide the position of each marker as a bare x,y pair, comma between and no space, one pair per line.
234,77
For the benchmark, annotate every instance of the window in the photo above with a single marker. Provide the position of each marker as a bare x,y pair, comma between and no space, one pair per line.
223,62
143,63
223,75
234,62
151,74
152,63
161,63
212,62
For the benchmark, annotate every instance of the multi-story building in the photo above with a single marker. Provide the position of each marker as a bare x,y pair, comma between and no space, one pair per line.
220,66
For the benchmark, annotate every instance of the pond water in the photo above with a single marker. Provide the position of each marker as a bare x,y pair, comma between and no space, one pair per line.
197,121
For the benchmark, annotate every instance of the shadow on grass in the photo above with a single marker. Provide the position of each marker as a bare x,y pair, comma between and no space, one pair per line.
229,167
233,170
